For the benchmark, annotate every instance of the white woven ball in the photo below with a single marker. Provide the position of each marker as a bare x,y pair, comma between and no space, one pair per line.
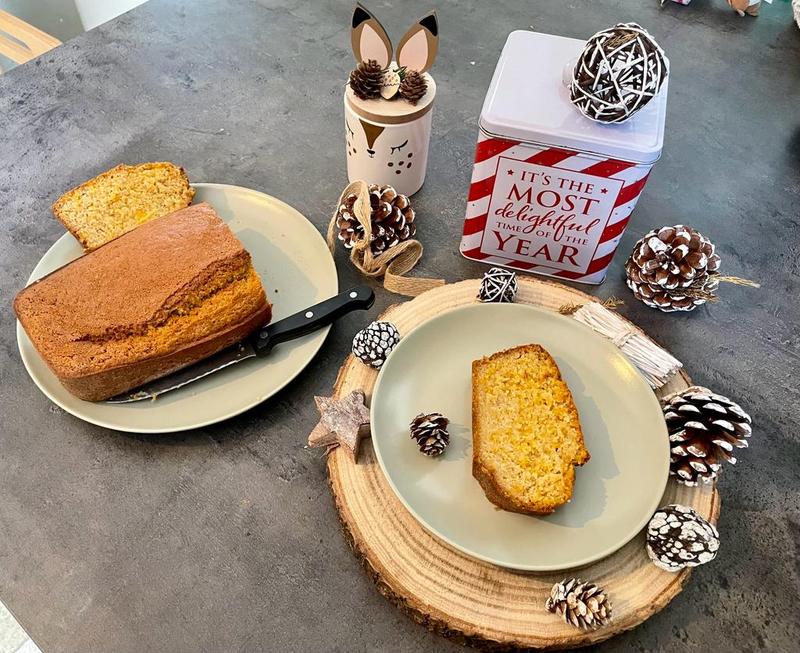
619,71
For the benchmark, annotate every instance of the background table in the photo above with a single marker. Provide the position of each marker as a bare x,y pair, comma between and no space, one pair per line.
226,538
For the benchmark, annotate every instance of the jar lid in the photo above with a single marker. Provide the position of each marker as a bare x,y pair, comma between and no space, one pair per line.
528,101
392,112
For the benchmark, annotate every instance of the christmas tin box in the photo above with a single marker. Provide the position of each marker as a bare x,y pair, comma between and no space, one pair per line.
552,191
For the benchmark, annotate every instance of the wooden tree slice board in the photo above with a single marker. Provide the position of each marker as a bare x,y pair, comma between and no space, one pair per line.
454,594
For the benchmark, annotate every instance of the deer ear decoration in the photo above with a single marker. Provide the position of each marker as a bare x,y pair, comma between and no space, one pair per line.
419,45
368,38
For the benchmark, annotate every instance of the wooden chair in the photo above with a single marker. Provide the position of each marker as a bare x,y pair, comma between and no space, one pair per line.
20,41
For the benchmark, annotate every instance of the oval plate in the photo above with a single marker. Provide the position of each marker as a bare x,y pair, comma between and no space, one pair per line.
297,271
615,493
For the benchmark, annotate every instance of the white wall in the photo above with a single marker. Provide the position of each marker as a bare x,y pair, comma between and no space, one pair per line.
97,12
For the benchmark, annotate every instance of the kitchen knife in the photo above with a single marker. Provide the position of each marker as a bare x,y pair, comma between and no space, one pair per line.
258,344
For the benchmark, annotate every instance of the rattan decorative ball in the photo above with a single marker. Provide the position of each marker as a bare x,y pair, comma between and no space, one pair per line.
619,71
498,286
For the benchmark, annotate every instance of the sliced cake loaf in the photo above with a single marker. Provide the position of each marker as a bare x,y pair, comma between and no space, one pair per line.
525,429
121,199
161,297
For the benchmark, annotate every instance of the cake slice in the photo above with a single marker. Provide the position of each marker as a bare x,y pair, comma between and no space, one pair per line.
121,199
526,435
163,296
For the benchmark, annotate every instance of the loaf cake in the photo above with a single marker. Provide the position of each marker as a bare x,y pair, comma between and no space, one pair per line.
526,434
170,293
121,199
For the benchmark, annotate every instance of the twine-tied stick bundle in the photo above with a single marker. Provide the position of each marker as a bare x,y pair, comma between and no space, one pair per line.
656,364
619,71
394,262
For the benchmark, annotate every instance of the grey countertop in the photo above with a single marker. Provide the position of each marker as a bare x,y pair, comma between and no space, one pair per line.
226,538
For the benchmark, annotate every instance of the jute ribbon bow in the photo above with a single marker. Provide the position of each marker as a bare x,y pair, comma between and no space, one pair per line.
391,264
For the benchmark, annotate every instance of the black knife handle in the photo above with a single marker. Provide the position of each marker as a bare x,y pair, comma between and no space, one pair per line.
313,318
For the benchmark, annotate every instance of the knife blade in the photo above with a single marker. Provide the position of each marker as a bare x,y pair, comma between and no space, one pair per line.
258,344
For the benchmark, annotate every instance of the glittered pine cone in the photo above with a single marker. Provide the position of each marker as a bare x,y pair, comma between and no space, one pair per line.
413,86
373,344
618,72
392,219
430,433
677,537
583,605
673,269
704,428
366,80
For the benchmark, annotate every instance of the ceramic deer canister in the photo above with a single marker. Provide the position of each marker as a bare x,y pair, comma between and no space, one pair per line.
388,125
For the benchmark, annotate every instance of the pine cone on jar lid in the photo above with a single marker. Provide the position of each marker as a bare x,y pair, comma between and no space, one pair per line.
673,269
367,79
392,219
704,428
413,87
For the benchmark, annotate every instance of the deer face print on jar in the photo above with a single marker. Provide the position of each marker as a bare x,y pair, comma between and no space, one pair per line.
387,140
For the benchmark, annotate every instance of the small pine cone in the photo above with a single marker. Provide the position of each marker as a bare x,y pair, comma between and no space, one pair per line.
430,432
673,269
413,86
392,219
583,605
366,80
703,430
373,344
678,537
498,286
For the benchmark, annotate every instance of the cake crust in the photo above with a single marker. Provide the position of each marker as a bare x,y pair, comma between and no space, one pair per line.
539,497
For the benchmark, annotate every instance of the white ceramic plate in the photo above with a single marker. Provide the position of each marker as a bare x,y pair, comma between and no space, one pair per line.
297,271
615,493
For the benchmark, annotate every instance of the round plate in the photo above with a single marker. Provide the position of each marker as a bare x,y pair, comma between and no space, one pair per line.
297,271
615,493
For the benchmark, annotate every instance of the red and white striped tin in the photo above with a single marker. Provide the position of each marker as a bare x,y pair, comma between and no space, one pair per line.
552,191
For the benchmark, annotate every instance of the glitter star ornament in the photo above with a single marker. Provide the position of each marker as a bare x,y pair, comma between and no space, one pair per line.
343,422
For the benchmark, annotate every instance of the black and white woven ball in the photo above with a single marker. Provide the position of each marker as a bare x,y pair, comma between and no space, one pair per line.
375,342
619,71
498,286
678,537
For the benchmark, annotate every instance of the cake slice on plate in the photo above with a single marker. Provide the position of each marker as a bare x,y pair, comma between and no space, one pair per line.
526,434
121,199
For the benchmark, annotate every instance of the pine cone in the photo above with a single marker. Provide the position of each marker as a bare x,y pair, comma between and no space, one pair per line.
583,605
413,86
703,430
392,219
366,80
673,269
678,537
430,432
373,344
499,286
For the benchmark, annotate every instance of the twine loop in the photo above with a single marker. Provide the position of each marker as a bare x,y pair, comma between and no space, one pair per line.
391,264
